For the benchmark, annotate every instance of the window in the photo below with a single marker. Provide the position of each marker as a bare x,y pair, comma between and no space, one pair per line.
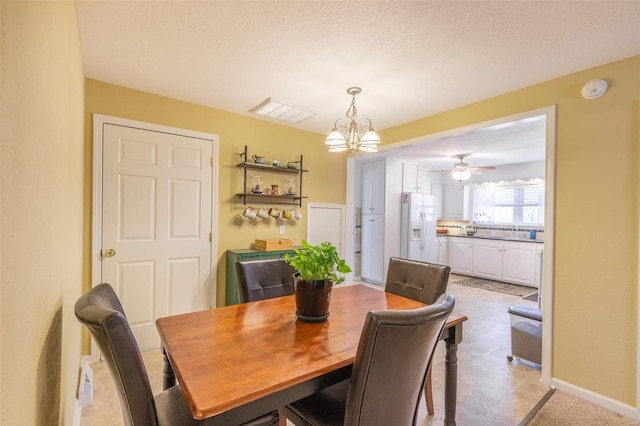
509,203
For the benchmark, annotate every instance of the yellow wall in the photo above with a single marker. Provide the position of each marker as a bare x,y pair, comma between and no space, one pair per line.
41,210
325,182
597,216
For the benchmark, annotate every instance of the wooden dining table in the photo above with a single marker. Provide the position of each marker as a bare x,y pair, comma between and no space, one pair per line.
238,362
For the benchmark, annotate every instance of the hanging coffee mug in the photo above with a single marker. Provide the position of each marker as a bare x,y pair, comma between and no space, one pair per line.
297,215
263,214
249,212
286,214
273,212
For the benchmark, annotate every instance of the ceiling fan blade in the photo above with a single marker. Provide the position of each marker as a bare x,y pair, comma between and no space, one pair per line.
483,168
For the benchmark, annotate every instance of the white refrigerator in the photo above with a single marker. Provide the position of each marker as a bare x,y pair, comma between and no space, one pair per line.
418,227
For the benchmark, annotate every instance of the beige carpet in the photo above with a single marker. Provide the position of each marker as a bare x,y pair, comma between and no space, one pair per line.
567,410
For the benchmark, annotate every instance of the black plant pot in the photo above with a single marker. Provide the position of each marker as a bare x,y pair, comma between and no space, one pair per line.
312,299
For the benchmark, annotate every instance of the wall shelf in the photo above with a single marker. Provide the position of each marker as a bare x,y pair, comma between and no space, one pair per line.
266,198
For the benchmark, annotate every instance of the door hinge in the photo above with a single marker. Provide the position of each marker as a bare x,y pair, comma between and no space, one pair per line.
211,161
210,237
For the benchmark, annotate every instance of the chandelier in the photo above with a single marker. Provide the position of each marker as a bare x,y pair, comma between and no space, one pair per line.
349,136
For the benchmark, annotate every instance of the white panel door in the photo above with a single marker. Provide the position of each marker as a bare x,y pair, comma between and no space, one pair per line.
325,223
156,224
372,258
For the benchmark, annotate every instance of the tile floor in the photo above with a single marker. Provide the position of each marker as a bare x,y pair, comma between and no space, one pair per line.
491,390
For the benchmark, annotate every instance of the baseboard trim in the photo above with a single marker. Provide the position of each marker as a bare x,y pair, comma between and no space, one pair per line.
595,398
77,414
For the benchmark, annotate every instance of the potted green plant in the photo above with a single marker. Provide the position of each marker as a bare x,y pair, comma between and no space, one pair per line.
318,267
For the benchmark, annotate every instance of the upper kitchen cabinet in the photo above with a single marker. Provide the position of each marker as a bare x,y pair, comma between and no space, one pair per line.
373,185
415,178
456,202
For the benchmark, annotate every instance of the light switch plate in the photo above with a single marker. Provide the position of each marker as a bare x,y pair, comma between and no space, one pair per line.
281,229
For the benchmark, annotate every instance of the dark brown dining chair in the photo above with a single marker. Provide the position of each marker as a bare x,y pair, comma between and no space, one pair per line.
264,279
101,312
420,281
388,375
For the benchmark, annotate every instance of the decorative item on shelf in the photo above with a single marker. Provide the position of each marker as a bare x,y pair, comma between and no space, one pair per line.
275,189
318,267
274,213
291,186
350,137
257,184
276,163
292,165
258,159
249,212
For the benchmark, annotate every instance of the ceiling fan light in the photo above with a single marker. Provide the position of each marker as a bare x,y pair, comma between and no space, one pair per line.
461,175
461,171
335,138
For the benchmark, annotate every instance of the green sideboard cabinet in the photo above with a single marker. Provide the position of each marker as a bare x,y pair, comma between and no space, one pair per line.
232,296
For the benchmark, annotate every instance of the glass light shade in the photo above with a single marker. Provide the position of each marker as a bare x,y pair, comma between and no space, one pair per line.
370,138
368,148
338,148
335,138
461,174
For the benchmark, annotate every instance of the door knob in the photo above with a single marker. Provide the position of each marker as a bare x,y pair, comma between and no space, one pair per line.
109,253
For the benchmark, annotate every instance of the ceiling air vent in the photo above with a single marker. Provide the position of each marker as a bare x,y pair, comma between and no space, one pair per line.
281,111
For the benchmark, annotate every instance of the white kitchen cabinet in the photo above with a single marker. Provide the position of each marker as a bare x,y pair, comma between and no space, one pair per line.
455,203
488,259
509,261
519,263
373,175
416,178
372,248
443,250
461,255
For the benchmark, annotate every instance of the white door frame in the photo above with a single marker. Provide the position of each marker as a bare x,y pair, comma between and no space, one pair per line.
99,121
549,226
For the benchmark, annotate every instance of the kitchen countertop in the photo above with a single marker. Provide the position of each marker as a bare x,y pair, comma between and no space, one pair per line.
491,237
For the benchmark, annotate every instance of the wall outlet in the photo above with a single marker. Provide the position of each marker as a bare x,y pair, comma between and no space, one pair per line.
281,229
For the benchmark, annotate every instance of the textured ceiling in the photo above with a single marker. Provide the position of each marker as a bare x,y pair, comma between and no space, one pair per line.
412,59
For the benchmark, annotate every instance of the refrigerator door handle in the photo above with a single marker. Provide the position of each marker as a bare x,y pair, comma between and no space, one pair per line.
423,225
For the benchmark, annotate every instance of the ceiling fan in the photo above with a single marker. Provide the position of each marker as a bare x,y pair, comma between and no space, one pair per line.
461,170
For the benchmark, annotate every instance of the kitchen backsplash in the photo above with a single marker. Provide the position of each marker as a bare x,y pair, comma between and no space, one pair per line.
460,227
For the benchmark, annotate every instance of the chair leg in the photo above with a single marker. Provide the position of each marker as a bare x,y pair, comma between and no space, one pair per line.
428,393
282,421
